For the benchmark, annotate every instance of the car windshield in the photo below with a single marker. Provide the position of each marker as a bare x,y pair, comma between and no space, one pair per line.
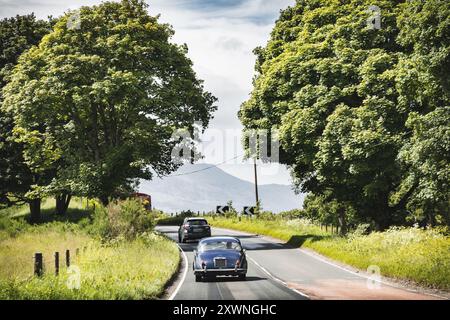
197,222
220,245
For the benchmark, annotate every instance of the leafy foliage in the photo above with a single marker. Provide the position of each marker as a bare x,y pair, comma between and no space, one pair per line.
99,103
344,96
124,219
17,35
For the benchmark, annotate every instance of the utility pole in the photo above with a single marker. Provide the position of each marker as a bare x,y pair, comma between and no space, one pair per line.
256,182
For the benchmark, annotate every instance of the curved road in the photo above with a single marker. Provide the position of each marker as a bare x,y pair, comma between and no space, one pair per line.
279,272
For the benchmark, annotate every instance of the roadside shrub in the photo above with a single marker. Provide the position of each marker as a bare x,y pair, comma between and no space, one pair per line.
12,227
360,230
125,219
293,214
187,213
299,224
232,213
267,215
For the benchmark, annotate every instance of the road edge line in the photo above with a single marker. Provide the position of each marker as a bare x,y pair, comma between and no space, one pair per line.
183,254
277,279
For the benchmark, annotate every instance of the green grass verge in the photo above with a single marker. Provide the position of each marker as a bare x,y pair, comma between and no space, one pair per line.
116,269
413,254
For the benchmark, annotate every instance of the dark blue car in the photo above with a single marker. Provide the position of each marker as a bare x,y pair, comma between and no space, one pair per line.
219,256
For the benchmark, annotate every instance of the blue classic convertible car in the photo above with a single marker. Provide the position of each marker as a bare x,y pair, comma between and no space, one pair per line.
222,256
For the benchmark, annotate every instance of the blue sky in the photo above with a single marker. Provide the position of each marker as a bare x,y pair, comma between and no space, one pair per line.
221,35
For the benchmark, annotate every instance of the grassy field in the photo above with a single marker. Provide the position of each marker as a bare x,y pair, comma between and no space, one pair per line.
413,254
106,269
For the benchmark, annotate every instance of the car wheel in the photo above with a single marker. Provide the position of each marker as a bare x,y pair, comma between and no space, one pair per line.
198,277
183,240
242,277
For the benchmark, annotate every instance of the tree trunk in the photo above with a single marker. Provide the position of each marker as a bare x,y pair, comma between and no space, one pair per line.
35,210
69,197
62,203
342,221
430,218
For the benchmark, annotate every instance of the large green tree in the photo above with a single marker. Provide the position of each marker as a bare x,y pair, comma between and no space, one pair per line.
100,98
17,35
424,82
341,92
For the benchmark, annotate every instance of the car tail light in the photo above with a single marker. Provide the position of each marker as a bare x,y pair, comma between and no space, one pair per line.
186,227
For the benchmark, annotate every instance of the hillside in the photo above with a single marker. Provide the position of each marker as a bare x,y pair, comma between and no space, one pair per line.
204,190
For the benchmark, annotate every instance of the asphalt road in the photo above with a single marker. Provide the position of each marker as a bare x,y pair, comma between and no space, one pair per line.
279,272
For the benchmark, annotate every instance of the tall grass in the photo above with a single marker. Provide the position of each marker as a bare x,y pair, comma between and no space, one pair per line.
128,264
17,250
137,269
418,255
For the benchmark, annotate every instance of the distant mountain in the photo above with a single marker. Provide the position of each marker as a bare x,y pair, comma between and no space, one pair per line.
205,189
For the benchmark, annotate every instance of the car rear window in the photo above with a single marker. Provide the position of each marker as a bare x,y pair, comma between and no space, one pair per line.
220,245
197,222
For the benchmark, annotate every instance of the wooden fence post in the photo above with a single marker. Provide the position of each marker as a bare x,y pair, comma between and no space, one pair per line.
56,263
67,258
38,264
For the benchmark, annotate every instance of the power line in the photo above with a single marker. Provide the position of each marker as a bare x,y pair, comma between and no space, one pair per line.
207,168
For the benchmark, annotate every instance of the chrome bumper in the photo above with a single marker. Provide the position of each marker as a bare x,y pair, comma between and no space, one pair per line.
228,270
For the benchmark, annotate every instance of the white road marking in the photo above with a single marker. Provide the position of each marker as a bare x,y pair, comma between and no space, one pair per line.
172,296
220,291
277,279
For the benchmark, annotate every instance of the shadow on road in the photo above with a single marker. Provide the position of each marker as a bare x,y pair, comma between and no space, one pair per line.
237,236
297,240
293,243
232,279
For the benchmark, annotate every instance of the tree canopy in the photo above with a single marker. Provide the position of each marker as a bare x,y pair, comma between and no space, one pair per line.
100,97
350,102
17,35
